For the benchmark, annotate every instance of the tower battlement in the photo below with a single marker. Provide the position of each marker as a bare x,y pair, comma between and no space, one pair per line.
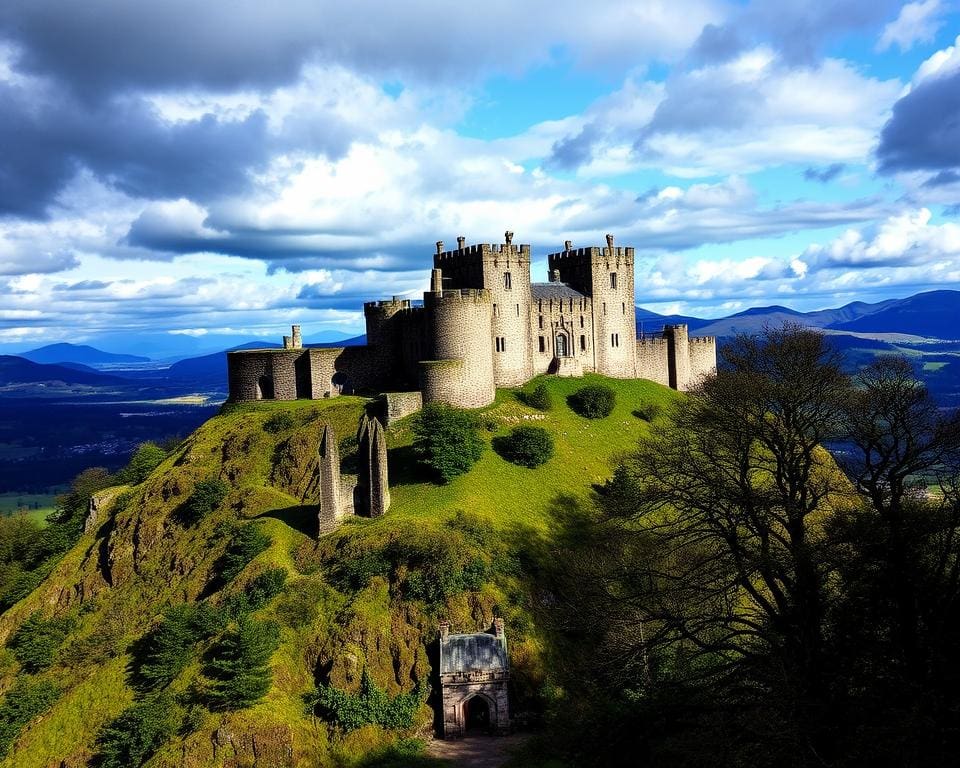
482,249
594,252
460,296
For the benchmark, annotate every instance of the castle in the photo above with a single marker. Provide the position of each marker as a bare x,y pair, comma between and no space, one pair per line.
483,324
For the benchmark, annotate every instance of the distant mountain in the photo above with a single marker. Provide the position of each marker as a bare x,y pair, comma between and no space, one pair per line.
19,370
935,314
78,353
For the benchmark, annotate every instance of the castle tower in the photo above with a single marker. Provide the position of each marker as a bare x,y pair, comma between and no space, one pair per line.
678,356
330,511
504,271
373,487
605,274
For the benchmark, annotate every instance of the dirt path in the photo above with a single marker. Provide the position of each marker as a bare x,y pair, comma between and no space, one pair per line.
477,751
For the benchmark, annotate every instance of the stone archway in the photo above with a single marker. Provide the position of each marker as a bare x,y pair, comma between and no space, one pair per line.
479,713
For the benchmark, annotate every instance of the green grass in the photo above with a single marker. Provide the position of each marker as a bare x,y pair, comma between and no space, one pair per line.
35,506
585,453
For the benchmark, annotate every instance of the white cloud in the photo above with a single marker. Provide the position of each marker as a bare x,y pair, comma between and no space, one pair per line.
916,23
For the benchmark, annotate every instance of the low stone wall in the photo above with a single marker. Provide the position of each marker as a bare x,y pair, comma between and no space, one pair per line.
400,404
652,360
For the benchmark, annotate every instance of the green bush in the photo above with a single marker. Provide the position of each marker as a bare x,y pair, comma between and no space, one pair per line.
248,542
239,666
36,642
539,398
526,446
594,401
27,699
207,495
371,706
258,592
145,459
300,605
132,738
279,422
446,440
647,412
167,649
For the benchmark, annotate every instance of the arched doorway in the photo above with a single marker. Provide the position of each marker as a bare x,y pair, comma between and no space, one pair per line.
476,715
561,347
265,388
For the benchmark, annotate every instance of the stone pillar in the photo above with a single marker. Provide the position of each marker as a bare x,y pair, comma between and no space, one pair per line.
373,486
436,281
296,342
328,477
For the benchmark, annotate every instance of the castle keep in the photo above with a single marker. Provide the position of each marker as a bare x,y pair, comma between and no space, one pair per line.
483,324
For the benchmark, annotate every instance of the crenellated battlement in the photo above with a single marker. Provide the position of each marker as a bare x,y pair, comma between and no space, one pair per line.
483,250
653,340
703,339
395,304
460,296
593,252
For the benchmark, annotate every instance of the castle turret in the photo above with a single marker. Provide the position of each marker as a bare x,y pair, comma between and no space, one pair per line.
606,275
373,488
330,510
678,356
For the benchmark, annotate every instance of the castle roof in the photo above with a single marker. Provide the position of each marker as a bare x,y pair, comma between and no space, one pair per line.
554,291
477,652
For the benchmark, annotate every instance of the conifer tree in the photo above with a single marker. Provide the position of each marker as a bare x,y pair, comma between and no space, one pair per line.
239,668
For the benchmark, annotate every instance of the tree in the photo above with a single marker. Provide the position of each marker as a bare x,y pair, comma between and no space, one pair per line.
595,401
446,440
526,446
207,495
132,738
167,649
145,459
23,702
37,640
239,665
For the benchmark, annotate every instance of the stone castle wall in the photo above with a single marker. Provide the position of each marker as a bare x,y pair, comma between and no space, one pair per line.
652,360
703,358
571,317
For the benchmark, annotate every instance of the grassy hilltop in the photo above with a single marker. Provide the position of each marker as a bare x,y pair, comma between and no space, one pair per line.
357,609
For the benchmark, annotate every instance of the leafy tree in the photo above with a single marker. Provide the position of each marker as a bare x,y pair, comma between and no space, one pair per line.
446,440
23,702
526,446
595,401
133,737
37,640
239,665
145,459
207,495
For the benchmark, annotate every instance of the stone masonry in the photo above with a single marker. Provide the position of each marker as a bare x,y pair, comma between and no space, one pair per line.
483,324
372,496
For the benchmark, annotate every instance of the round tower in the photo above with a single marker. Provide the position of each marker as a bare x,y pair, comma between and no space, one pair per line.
678,356
460,323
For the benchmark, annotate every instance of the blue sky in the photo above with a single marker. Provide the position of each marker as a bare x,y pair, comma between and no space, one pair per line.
204,174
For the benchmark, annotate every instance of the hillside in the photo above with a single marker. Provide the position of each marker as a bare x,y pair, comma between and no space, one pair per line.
364,601
17,370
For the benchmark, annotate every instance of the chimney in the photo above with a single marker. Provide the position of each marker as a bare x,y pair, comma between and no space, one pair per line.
444,629
508,236
567,245
461,241
610,244
439,247
296,342
498,627
436,281
554,275
287,343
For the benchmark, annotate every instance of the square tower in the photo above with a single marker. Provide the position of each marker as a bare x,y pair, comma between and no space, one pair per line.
606,275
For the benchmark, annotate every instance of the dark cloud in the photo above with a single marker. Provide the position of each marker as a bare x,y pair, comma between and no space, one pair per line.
83,285
942,179
570,152
824,175
923,134
798,29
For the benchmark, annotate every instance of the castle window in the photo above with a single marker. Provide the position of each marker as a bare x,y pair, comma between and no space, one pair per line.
496,311
583,342
581,321
518,310
623,307
571,305
614,339
506,281
613,280
501,343
543,344
604,307
541,322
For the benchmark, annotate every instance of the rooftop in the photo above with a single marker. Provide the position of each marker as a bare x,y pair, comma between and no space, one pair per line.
477,652
554,291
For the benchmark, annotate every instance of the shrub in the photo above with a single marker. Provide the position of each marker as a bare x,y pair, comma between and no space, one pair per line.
248,542
526,446
145,459
239,666
258,592
300,606
207,495
594,401
132,738
167,649
539,398
647,412
36,642
446,440
279,422
27,699
371,706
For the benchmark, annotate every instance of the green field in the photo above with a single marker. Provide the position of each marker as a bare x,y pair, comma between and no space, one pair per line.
33,505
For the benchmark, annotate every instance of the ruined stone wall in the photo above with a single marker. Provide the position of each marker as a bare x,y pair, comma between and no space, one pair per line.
571,317
652,360
400,404
372,494
703,358
460,322
268,374
415,345
330,511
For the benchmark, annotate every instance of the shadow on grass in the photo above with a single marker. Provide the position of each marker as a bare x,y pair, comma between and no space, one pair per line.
406,753
404,467
300,518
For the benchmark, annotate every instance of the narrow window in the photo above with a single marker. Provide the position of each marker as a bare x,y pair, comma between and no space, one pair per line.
543,346
583,343
503,343
613,339
623,307
581,321
541,322
604,307
613,280
518,310
496,312
506,281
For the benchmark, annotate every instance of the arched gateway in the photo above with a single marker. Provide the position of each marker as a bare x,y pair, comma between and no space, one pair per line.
474,672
